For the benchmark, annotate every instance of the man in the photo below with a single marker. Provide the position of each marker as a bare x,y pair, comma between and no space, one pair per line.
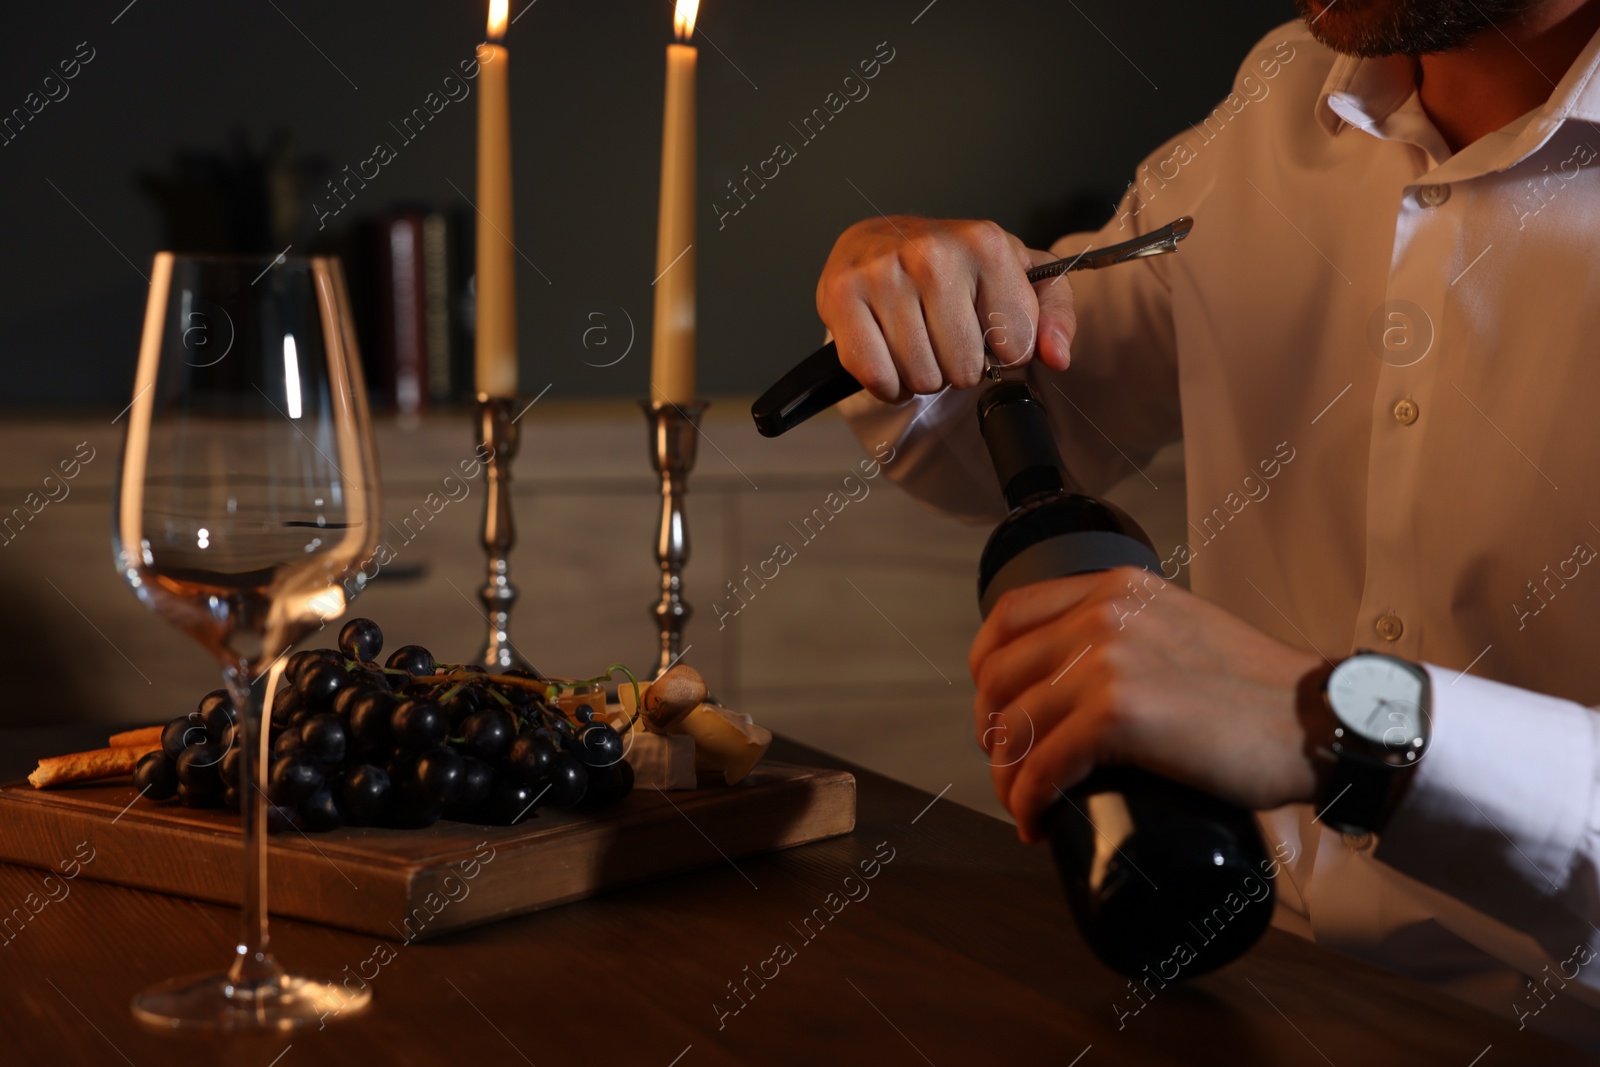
1380,349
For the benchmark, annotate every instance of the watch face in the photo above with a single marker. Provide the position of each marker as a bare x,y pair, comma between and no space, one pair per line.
1379,699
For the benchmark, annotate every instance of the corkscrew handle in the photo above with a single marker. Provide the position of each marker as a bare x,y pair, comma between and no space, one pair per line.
815,384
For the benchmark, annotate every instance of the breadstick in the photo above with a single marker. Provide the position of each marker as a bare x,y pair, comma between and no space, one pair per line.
148,736
83,766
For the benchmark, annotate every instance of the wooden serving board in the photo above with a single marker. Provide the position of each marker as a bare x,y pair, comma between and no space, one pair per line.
416,884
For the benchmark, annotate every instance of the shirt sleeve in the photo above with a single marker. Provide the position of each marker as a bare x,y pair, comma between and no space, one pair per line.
1112,409
1501,814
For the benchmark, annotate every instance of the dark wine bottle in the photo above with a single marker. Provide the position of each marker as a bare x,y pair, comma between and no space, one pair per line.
1162,879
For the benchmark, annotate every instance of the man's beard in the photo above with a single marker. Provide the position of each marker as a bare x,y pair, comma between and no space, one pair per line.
1372,28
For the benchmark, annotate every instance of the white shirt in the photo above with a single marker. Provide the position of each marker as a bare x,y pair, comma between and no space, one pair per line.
1384,361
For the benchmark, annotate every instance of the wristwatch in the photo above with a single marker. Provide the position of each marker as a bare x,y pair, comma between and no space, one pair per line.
1373,728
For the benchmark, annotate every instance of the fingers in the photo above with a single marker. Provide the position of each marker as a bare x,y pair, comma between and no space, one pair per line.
912,301
1060,760
957,342
1007,307
1058,670
1033,605
1039,656
906,332
864,352
1057,315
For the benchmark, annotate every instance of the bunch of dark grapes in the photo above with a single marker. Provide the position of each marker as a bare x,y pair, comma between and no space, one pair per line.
403,744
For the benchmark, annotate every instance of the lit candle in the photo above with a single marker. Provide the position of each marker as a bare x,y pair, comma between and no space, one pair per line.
672,360
497,270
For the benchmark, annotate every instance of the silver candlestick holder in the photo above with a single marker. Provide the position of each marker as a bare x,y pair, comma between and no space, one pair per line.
673,432
497,433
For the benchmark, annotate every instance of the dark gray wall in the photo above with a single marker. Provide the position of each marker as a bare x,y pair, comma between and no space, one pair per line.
1032,112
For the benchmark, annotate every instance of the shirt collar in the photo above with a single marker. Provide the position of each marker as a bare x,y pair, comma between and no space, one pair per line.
1363,92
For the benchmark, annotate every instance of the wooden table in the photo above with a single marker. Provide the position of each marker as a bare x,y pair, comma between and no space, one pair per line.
961,952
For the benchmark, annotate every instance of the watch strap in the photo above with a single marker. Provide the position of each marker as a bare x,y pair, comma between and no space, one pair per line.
1360,791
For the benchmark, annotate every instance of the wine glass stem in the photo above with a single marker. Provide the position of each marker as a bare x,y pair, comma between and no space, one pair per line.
253,962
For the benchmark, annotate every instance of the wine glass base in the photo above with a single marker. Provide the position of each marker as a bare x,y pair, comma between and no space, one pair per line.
279,1002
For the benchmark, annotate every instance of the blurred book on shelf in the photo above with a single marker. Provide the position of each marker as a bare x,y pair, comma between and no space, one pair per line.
417,288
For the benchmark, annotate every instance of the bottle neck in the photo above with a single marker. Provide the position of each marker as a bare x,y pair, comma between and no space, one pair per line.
1035,483
1016,429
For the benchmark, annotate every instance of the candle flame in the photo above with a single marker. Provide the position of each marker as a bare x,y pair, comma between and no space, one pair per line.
683,18
498,11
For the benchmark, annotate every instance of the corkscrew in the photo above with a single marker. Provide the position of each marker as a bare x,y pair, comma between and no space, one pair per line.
820,381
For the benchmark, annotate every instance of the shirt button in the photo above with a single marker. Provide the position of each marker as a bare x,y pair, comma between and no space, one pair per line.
1405,412
1389,627
1433,195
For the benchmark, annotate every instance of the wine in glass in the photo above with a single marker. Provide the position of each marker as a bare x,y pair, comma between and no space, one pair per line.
247,495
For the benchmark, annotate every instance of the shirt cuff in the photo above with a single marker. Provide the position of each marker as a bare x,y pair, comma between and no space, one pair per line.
1503,799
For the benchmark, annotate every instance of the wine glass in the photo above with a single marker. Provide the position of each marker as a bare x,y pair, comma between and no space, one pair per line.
247,495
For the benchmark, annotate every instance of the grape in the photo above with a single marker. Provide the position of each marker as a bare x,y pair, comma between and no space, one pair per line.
413,659
231,769
488,733
156,776
197,768
232,799
439,773
181,733
510,801
318,813
569,780
361,639
465,702
369,718
377,678
598,745
199,798
323,737
477,781
279,818
216,712
419,724
285,702
346,700
293,778
414,810
313,656
366,794
287,742
585,713
297,663
532,758
608,784
320,683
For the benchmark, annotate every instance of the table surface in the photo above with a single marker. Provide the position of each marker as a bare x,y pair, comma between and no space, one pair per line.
961,951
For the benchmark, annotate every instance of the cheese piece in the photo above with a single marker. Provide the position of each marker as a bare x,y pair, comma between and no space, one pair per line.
661,761
621,712
725,741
